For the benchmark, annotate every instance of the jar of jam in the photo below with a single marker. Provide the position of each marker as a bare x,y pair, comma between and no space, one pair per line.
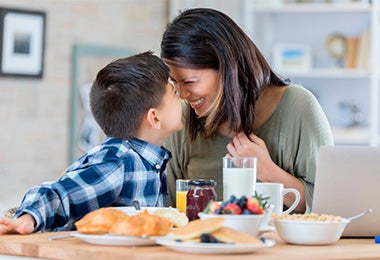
199,194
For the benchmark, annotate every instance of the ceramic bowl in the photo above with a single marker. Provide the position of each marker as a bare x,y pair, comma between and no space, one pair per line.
306,232
246,223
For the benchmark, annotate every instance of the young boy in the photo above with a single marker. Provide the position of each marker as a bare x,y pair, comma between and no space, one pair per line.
137,108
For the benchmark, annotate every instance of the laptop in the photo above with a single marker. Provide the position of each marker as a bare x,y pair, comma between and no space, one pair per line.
347,182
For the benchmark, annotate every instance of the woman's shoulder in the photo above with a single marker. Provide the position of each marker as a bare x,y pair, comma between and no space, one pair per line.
298,90
297,94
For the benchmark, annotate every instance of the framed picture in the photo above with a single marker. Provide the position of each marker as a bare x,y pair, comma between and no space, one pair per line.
22,42
292,57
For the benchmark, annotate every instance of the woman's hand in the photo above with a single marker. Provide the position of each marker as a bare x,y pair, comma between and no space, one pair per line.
252,146
23,225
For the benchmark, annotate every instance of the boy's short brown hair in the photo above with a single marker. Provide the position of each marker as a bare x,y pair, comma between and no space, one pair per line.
124,90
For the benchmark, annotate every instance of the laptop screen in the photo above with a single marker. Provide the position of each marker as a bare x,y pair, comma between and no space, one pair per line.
347,182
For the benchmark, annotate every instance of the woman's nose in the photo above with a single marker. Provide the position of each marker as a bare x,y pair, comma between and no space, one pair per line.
183,92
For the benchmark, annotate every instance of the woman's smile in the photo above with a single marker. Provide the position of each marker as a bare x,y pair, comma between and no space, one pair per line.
197,104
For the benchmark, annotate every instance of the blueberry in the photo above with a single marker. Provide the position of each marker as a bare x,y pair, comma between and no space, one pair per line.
246,212
224,203
242,203
232,198
208,238
213,239
205,238
217,211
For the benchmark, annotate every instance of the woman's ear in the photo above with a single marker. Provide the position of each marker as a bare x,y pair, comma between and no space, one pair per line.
153,118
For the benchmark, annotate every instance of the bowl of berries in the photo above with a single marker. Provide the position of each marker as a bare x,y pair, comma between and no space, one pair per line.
245,214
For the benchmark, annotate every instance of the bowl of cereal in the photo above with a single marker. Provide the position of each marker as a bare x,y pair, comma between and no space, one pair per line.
309,229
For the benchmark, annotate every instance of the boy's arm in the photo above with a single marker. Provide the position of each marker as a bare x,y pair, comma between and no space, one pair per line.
55,206
23,225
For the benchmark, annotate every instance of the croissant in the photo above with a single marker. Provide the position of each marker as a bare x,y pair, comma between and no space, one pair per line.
142,224
100,221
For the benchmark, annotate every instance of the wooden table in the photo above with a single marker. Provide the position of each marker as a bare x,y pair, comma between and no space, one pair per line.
38,245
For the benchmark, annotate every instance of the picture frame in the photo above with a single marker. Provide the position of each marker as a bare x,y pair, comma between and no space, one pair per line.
22,42
292,58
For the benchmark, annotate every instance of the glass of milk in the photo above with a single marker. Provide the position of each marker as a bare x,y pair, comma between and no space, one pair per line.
239,176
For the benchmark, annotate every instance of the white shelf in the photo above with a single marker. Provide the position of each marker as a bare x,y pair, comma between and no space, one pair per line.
312,7
351,135
273,22
328,73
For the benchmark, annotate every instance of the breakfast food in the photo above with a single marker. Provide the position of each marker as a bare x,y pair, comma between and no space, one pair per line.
256,204
308,217
99,221
196,228
229,235
178,219
211,231
142,224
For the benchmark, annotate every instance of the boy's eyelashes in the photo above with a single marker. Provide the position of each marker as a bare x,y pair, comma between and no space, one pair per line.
171,81
175,90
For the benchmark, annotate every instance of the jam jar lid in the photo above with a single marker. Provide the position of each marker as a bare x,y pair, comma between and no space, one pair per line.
202,182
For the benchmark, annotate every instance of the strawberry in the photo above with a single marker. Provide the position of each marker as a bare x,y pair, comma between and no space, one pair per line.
231,208
253,205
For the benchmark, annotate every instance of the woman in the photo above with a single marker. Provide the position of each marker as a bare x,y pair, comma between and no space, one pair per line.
235,105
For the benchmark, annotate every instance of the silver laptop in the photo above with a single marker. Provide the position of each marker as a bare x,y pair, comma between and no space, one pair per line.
347,182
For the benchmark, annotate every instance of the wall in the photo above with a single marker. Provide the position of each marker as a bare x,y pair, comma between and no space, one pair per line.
34,113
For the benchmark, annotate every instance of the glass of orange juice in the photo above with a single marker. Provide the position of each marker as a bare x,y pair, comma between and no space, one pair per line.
181,190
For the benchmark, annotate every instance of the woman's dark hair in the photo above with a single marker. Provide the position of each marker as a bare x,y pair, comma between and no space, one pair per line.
203,38
124,90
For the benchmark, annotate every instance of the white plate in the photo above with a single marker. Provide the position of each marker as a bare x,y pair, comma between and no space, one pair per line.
213,248
132,211
115,240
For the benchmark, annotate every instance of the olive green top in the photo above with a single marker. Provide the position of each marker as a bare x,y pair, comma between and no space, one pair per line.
293,135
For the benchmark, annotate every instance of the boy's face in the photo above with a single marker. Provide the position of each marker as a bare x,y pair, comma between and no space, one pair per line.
171,110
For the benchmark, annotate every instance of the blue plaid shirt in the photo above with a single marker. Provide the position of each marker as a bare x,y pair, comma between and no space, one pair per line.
113,173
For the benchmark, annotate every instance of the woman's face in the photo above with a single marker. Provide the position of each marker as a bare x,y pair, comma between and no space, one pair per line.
198,86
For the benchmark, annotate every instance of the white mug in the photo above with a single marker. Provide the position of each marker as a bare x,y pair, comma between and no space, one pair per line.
239,177
276,193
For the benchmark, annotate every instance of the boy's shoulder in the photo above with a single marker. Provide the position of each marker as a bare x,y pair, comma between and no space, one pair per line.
109,150
107,144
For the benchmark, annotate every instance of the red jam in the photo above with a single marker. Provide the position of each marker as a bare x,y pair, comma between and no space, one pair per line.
199,194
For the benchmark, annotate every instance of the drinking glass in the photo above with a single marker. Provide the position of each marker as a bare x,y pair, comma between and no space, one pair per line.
182,186
239,176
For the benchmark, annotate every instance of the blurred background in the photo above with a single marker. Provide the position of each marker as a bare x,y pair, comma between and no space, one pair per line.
45,123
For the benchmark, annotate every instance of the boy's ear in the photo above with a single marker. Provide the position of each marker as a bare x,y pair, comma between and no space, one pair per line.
153,118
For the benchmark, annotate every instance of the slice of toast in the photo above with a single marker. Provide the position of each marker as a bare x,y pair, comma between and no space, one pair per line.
196,228
229,235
